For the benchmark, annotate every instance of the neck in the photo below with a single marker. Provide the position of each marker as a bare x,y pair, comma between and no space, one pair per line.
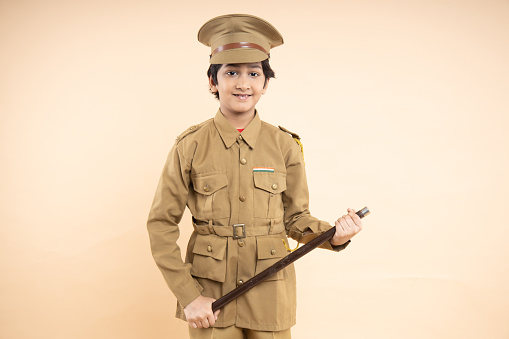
240,120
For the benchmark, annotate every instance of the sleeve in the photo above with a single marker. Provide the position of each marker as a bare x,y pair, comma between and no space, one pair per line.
167,209
299,223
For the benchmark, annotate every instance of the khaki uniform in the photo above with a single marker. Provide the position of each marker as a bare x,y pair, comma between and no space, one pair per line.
255,178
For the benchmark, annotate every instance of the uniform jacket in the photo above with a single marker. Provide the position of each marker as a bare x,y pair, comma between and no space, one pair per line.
255,178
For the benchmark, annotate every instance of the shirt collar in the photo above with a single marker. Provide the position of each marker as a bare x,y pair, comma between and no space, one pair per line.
229,133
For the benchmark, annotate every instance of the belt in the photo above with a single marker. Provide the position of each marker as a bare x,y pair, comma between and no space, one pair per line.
238,231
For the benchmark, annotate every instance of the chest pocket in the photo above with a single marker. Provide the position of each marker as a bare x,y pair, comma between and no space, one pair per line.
212,196
267,194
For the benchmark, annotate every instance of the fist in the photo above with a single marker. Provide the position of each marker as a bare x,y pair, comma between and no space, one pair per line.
199,313
346,228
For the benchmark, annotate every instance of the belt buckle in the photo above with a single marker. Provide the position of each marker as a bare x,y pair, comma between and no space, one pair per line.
243,235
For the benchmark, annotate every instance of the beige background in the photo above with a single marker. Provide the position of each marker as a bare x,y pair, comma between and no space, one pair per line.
401,105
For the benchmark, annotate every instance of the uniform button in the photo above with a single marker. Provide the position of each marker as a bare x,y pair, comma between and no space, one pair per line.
243,161
240,137
206,188
209,248
240,282
241,243
274,187
192,127
273,252
242,198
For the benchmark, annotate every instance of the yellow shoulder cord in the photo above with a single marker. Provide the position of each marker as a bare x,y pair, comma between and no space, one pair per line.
295,137
288,248
301,146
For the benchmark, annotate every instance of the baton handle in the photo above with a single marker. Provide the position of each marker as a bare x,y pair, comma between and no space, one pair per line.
278,266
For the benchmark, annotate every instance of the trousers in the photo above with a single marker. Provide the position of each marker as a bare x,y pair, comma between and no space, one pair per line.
233,332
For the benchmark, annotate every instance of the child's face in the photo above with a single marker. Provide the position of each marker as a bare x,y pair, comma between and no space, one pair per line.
240,86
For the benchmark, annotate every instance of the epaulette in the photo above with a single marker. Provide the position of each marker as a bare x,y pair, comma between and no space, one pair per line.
190,130
295,137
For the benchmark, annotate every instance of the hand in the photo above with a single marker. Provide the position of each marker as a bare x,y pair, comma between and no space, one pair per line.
346,227
199,313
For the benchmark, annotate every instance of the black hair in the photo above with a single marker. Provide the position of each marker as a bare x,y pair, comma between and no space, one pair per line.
268,72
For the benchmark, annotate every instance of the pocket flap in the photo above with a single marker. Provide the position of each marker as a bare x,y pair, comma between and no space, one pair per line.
210,245
209,183
270,248
272,182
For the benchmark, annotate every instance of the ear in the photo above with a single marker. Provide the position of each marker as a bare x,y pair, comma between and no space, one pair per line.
212,85
265,86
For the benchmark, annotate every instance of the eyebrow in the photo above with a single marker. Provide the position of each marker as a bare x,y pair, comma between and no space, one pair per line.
238,65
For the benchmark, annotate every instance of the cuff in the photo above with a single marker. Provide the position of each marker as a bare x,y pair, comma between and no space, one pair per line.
339,247
186,293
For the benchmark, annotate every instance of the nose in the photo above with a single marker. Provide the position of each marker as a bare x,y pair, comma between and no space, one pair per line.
242,83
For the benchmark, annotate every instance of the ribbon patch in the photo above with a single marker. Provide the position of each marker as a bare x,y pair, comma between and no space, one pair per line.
263,169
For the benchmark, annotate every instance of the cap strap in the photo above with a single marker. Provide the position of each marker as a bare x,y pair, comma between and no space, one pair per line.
234,45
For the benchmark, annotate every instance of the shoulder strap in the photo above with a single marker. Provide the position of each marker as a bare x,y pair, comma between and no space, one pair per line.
189,131
295,137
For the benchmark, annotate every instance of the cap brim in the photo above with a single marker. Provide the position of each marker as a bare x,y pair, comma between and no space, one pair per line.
238,56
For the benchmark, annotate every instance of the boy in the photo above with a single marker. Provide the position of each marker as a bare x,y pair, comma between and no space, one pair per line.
245,185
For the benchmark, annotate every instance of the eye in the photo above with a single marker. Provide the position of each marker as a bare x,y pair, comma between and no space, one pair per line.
254,74
231,73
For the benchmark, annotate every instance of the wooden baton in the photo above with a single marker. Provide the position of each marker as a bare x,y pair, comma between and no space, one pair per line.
278,266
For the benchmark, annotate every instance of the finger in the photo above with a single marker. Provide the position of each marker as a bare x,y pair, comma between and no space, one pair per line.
339,228
353,214
193,325
211,319
216,314
342,217
350,221
356,219
345,226
205,323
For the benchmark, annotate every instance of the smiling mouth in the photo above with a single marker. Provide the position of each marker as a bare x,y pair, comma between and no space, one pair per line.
242,96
